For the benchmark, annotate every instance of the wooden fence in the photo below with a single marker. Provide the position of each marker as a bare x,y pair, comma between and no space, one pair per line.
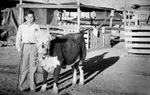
137,39
93,42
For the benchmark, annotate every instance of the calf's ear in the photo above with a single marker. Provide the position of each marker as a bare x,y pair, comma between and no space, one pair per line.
53,36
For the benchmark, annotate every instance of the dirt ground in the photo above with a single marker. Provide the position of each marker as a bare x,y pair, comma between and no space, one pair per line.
107,72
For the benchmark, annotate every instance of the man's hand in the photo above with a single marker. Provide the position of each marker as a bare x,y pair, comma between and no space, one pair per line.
19,52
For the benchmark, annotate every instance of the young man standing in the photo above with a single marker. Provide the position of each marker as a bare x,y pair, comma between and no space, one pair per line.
26,46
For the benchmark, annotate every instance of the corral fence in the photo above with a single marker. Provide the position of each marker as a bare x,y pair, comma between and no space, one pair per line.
137,40
137,32
93,42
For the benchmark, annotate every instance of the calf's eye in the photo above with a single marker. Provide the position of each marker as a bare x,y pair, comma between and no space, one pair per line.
42,45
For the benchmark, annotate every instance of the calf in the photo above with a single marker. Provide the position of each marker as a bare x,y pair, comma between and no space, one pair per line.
66,50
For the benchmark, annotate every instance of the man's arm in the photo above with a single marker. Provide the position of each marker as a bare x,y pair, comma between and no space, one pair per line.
18,39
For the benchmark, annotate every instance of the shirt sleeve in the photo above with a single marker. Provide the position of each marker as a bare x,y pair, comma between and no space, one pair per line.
18,39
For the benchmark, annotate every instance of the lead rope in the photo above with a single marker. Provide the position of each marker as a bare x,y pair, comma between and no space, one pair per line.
20,62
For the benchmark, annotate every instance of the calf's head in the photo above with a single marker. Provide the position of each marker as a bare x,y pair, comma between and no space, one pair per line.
43,43
43,40
43,47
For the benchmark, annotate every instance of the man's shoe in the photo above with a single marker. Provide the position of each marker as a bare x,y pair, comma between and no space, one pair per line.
25,89
32,90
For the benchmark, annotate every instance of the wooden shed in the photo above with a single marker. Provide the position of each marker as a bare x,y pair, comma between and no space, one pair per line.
73,16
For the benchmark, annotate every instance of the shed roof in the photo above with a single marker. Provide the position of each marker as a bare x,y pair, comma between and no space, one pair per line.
116,4
95,3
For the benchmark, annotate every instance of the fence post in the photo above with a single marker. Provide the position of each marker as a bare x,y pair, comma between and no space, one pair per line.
20,13
78,11
103,32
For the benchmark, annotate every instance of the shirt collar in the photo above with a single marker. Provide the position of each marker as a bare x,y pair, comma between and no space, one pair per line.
31,24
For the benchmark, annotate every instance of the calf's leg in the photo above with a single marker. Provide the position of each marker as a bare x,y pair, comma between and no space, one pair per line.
45,75
81,73
74,80
56,78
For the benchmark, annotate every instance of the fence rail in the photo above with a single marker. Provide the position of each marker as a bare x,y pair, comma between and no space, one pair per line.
137,40
93,42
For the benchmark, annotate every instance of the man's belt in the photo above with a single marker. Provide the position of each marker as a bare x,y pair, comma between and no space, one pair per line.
29,43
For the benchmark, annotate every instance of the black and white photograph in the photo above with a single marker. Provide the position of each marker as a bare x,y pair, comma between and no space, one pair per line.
75,47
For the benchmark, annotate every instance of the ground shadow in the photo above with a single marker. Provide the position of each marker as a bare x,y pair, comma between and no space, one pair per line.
96,65
92,67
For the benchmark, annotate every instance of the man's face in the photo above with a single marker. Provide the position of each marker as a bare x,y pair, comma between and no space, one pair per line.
29,18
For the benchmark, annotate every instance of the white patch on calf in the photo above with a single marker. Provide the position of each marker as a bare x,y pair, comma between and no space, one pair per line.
49,63
74,76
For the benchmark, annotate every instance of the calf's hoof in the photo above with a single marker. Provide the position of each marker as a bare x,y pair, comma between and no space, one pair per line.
74,84
81,84
43,88
55,91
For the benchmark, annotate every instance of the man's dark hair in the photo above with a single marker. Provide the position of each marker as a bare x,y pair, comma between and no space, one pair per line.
29,11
